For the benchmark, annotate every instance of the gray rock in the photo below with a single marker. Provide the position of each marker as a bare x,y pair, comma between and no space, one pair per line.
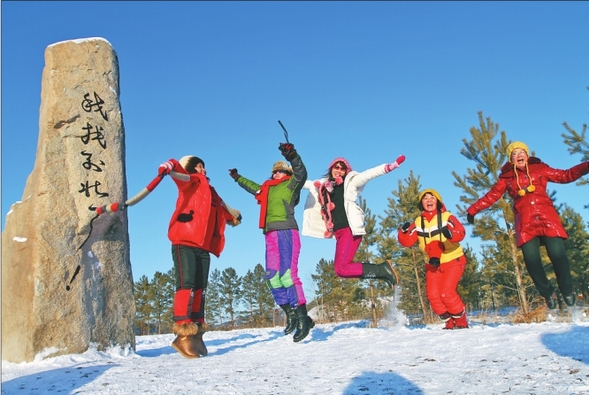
46,310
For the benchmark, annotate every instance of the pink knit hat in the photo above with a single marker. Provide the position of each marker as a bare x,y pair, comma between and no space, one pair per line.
343,160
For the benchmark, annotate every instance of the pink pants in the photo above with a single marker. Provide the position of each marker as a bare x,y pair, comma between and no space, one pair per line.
346,246
441,283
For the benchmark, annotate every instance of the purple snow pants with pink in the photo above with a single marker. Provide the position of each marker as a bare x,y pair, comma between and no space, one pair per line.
282,267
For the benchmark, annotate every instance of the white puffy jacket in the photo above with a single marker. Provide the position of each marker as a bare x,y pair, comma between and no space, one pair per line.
313,224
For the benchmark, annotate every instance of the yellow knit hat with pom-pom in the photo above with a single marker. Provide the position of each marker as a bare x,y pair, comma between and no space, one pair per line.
515,145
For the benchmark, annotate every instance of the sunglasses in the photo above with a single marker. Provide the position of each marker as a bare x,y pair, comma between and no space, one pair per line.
283,172
340,167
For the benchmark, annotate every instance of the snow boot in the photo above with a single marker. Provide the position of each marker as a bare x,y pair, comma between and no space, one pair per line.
551,301
569,299
184,341
383,271
460,321
305,323
447,318
199,344
292,320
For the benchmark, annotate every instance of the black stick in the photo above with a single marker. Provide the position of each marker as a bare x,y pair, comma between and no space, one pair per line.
285,132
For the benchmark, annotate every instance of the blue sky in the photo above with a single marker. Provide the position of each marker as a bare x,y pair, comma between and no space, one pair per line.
364,80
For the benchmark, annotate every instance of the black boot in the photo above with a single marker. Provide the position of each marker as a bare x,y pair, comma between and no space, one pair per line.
551,301
569,299
305,323
383,271
291,319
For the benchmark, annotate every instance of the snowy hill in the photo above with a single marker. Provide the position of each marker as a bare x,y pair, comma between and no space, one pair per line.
344,358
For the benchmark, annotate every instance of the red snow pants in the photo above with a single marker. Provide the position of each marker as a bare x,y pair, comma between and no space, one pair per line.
441,283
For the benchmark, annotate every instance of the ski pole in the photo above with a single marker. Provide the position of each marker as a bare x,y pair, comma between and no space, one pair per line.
285,132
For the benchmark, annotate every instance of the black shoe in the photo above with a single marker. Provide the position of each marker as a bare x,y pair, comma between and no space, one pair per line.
292,320
304,325
389,274
569,299
551,301
382,271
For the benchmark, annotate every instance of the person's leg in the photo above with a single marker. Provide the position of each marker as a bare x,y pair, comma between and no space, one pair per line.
273,266
533,261
202,260
184,328
185,281
433,280
346,246
562,270
290,247
451,275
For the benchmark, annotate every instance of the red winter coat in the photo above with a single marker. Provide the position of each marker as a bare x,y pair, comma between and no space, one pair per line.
534,212
200,217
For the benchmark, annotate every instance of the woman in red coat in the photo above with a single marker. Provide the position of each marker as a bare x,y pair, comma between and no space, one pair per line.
537,223
196,230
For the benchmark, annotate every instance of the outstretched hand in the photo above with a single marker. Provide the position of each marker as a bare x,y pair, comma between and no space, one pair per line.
234,174
288,151
392,166
470,219
165,168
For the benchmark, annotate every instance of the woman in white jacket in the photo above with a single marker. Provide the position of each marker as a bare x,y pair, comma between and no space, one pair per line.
331,211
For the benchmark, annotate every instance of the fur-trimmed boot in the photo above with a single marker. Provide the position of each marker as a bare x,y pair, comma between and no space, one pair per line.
184,341
383,271
305,323
292,320
198,343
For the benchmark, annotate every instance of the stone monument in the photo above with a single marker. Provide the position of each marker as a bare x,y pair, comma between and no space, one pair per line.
66,272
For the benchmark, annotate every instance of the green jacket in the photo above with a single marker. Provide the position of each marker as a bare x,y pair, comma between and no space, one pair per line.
282,198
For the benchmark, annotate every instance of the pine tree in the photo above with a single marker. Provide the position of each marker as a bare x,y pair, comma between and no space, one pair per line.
469,287
163,299
410,262
577,248
376,288
257,297
230,293
213,311
326,282
496,224
143,293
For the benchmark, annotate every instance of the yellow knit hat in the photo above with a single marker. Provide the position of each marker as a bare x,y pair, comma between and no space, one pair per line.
281,165
515,145
433,192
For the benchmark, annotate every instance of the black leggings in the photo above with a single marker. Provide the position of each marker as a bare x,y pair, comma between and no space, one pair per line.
560,262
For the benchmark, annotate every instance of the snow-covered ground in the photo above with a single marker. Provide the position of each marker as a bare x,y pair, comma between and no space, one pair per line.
343,358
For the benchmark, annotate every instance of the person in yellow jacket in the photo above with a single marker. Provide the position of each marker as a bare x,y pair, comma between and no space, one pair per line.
439,233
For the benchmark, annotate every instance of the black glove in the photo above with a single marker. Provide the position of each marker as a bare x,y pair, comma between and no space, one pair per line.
470,219
405,227
288,151
435,262
234,174
447,232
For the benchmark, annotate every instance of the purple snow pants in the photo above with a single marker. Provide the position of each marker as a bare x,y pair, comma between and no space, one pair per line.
282,267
